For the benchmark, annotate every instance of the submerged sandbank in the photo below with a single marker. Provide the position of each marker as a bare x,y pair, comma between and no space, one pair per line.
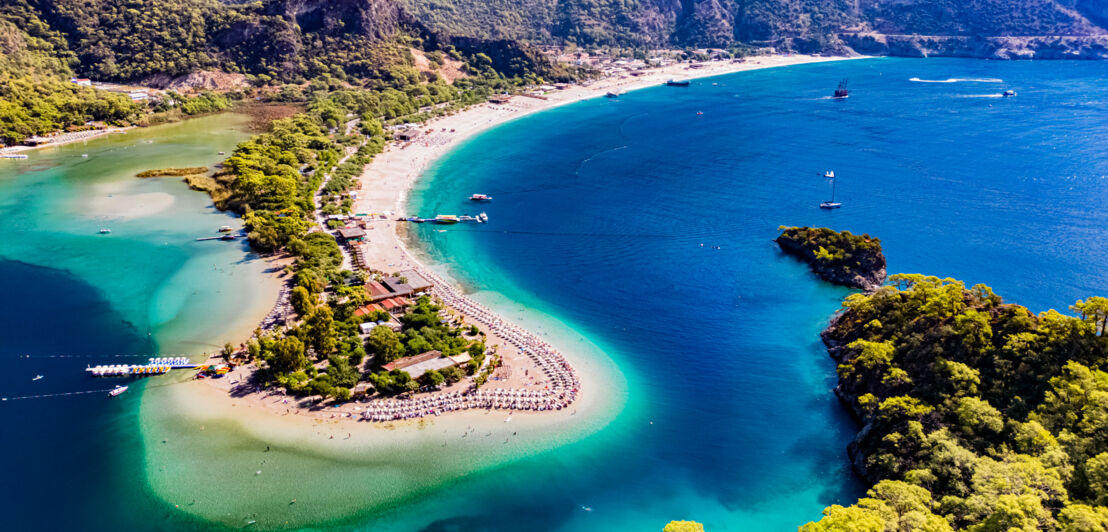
202,446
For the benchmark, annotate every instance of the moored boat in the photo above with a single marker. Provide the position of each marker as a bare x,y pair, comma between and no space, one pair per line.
678,82
225,229
480,197
612,94
105,230
830,204
446,219
13,156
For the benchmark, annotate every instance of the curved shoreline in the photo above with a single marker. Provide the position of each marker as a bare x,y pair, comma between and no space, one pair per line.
403,166
386,186
379,464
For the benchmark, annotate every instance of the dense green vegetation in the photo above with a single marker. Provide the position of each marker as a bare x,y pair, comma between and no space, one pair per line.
267,40
166,172
359,44
837,256
979,415
492,19
324,355
130,39
36,96
38,105
272,178
837,249
205,102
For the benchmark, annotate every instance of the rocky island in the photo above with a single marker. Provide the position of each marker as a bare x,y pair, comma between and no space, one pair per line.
837,257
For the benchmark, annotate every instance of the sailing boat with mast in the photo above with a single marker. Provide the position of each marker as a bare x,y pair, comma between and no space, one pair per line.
830,204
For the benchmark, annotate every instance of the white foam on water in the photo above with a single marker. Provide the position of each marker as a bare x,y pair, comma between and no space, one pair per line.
958,80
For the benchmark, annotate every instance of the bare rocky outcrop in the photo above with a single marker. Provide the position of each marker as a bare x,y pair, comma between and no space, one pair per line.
203,80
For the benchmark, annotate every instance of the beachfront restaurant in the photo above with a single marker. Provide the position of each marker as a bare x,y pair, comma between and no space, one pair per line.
407,283
352,234
395,305
419,364
377,291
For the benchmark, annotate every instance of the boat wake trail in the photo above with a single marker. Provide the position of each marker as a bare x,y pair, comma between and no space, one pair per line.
958,80
548,233
997,95
46,395
595,155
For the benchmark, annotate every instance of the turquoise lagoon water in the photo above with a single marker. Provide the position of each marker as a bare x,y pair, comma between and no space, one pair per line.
76,297
643,226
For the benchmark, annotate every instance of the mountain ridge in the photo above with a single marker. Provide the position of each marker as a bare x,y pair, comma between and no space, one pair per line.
1023,28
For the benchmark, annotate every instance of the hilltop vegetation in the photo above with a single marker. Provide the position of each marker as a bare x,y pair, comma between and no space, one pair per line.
283,40
35,95
838,257
360,43
978,414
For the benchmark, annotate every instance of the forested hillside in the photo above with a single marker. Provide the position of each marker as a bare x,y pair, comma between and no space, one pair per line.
285,40
35,94
1003,28
977,414
365,43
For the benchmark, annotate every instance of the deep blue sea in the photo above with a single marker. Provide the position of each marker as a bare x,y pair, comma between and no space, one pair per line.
648,228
